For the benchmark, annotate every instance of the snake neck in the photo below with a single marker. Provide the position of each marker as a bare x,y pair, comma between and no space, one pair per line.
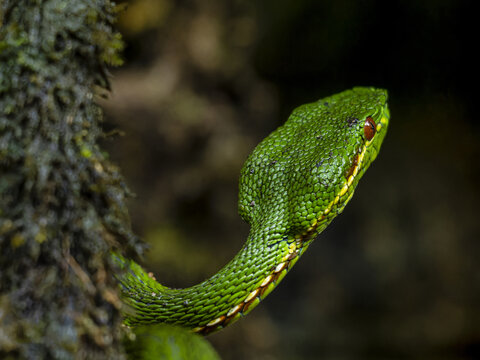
237,288
220,300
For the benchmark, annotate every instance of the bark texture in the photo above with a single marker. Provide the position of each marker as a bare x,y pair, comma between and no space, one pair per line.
62,203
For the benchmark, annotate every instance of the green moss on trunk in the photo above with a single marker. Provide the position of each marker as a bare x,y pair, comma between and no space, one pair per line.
62,203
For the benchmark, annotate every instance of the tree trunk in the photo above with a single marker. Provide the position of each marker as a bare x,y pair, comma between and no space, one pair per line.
62,203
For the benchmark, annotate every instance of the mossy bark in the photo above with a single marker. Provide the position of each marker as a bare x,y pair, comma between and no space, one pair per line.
62,203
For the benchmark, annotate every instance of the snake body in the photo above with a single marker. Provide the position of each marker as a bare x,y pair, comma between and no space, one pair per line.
291,187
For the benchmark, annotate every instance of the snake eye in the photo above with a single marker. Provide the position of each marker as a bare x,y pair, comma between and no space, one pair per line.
369,129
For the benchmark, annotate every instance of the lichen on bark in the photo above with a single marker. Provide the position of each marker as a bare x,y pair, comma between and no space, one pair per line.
62,202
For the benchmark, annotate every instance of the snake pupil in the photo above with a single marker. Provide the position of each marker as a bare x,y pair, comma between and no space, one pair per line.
369,128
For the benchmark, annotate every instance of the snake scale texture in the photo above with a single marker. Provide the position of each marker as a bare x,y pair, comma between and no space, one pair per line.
291,187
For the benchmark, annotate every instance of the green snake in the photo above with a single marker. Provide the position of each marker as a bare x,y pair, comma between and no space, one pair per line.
291,187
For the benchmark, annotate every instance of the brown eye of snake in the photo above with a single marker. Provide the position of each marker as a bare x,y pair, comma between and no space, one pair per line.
369,128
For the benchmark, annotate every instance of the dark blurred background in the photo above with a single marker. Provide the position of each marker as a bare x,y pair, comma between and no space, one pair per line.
396,275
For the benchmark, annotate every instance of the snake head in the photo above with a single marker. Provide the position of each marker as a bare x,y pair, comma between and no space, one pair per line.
304,173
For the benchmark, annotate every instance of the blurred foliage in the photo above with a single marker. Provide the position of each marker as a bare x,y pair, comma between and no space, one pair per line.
144,15
396,275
